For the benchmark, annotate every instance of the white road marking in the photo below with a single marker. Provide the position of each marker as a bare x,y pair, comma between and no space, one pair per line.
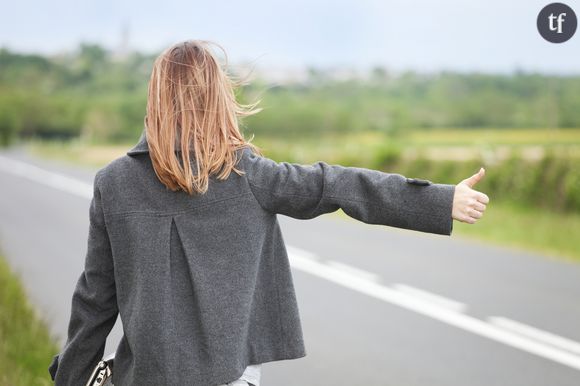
432,310
536,333
429,296
45,177
301,252
354,271
524,339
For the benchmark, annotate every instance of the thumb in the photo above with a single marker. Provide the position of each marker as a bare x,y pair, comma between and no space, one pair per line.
474,179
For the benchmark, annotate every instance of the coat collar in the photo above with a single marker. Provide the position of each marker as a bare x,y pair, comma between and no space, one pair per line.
142,146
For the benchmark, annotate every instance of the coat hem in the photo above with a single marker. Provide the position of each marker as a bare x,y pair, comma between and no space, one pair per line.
226,375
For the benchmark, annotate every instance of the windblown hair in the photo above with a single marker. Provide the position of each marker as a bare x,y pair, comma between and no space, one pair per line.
192,109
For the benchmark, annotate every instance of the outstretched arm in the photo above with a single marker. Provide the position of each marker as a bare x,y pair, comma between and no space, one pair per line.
371,196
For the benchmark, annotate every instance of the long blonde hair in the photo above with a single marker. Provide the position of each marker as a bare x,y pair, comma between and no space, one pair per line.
191,104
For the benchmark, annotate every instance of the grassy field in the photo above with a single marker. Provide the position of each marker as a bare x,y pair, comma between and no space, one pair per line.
512,137
360,146
26,347
553,235
532,229
77,152
505,223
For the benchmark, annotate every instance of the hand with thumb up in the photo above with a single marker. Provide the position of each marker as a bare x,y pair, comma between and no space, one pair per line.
469,204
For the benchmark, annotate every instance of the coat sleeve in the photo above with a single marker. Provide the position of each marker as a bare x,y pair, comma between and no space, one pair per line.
94,305
371,196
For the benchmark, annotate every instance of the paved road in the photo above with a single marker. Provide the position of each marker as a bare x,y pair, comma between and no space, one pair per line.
379,306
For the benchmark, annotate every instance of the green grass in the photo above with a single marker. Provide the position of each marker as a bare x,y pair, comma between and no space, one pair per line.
356,148
26,347
531,229
77,152
513,137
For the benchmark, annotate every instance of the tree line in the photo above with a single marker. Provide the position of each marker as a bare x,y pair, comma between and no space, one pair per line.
94,94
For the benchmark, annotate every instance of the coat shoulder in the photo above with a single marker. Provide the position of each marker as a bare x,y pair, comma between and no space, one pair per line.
116,170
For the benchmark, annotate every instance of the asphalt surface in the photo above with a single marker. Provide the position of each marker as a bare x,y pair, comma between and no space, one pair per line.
379,306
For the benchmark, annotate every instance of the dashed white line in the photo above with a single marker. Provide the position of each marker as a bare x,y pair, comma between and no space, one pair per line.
432,310
429,296
535,333
45,177
295,251
354,271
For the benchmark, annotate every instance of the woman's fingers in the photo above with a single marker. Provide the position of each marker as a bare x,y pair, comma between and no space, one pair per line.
471,215
476,208
482,197
475,214
469,219
468,204
479,206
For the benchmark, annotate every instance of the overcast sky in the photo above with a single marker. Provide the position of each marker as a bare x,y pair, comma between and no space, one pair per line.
424,35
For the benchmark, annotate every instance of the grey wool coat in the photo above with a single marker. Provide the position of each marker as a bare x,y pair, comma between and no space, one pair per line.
203,284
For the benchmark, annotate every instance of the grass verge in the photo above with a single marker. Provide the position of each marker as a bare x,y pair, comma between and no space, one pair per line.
76,152
530,229
533,229
26,347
